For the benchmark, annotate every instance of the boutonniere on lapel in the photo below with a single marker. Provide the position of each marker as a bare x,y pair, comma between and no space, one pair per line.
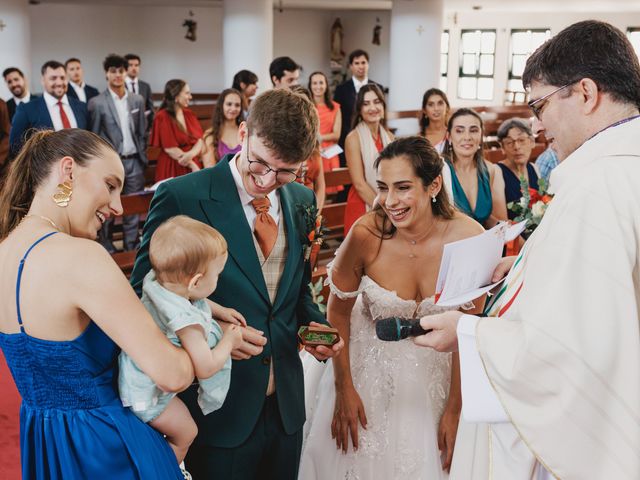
312,232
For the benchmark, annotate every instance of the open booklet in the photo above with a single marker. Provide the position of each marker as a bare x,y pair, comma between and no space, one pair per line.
468,265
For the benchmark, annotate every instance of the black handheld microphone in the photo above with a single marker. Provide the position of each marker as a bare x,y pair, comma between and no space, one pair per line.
394,328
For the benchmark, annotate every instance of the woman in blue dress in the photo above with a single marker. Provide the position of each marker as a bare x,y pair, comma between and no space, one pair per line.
66,310
478,186
517,141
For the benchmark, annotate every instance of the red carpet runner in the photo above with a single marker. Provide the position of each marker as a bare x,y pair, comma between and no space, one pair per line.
9,425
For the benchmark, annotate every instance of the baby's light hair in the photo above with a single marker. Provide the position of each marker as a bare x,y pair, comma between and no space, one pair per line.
182,247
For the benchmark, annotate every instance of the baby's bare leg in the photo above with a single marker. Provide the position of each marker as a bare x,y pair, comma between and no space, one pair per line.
176,423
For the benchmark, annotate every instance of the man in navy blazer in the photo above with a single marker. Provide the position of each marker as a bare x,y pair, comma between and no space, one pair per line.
17,85
345,93
78,89
54,110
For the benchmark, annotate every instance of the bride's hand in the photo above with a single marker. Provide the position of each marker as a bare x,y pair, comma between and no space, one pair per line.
347,412
447,431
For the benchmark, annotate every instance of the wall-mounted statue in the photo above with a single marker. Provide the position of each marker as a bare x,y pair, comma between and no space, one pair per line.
337,54
191,26
376,32
191,29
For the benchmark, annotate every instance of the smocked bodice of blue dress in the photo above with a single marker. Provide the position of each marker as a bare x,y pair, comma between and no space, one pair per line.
41,370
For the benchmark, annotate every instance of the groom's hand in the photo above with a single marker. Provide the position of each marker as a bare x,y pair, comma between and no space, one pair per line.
321,352
253,342
443,337
229,315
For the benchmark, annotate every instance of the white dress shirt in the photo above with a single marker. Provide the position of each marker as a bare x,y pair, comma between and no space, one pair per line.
132,85
359,84
24,99
245,198
54,111
79,91
122,107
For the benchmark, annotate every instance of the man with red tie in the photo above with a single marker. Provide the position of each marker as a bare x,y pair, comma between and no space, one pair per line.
54,110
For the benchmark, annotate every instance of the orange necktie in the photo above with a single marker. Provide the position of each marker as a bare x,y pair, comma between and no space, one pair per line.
63,116
266,230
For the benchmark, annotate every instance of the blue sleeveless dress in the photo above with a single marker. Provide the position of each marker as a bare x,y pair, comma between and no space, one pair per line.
72,423
484,204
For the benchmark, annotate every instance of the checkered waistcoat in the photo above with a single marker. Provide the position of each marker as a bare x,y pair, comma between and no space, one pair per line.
273,266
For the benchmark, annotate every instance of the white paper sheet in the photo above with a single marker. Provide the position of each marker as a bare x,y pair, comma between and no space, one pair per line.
514,230
468,265
331,151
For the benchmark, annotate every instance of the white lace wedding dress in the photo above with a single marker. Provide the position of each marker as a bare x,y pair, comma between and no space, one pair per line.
403,387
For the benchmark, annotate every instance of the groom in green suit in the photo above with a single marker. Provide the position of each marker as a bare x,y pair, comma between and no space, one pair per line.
252,199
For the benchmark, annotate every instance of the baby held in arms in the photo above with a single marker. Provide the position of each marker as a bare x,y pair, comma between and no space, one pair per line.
187,257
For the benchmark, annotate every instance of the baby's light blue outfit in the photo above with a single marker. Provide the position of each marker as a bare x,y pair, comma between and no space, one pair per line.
171,312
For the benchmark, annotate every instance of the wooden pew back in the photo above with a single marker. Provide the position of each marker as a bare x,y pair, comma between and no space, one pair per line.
133,204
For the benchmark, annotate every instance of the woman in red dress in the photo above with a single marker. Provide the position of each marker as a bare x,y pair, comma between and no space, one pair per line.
361,147
330,120
177,132
311,173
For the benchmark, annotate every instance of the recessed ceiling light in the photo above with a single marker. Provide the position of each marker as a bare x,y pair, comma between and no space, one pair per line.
477,7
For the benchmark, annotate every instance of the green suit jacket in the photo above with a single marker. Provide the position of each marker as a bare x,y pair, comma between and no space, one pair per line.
210,196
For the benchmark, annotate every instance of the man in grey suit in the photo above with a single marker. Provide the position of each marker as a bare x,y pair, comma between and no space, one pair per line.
118,116
135,85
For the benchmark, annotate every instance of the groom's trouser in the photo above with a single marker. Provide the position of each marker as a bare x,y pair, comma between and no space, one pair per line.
269,453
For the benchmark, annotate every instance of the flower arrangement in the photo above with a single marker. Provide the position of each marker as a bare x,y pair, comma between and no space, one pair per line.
532,205
313,231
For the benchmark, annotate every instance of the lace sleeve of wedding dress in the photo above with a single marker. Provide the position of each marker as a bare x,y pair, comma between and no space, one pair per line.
335,290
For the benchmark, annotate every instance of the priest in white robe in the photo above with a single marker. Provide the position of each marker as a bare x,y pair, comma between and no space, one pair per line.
555,368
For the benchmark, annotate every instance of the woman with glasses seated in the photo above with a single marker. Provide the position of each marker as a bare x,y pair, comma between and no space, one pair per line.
362,146
517,141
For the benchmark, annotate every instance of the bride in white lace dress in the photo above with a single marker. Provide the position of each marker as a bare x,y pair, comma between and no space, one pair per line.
388,410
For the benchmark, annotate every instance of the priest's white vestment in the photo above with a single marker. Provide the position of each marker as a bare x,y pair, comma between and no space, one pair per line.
561,360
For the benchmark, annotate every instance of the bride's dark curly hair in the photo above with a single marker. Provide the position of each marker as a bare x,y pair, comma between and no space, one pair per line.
427,165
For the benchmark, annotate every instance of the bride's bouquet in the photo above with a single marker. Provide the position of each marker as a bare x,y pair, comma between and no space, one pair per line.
532,205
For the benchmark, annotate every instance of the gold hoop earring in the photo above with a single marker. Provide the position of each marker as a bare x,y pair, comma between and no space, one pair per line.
62,197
